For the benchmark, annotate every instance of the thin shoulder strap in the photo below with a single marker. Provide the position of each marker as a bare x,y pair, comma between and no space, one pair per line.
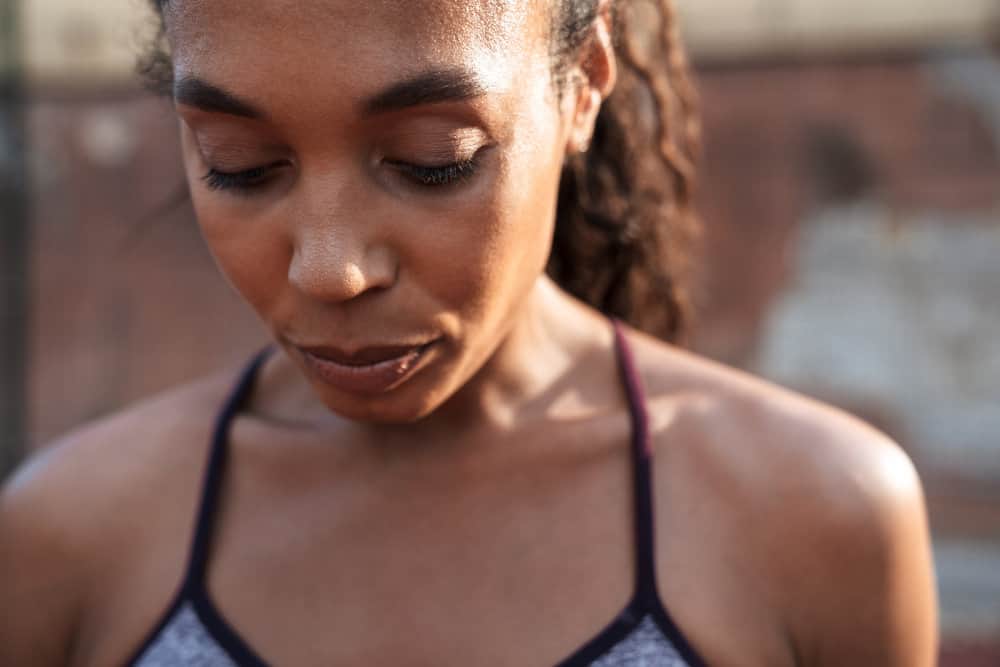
645,569
212,481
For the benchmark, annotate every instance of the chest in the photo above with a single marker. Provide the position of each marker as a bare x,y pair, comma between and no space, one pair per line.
516,568
520,566
526,566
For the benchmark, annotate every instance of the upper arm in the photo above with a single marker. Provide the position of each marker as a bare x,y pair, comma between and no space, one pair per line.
40,575
866,594
75,519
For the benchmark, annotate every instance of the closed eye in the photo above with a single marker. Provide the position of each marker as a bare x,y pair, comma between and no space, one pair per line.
438,175
238,181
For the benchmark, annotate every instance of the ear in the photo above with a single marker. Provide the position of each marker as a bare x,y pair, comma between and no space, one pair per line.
596,73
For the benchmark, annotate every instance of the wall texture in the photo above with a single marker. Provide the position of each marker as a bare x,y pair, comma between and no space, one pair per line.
67,39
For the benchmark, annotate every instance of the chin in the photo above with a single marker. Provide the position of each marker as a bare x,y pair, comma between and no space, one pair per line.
400,407
388,415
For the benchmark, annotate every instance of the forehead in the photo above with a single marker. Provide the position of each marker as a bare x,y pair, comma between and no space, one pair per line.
343,42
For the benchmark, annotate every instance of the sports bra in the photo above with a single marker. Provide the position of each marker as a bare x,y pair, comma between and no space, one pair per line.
193,632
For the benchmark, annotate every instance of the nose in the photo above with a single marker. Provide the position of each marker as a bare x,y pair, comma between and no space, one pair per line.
334,262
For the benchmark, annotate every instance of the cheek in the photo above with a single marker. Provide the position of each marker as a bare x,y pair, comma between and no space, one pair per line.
247,248
526,202
481,254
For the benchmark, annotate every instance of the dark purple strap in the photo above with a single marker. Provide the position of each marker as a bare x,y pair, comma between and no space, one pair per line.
645,583
211,486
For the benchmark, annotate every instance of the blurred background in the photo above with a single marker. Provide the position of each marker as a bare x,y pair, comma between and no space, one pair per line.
851,195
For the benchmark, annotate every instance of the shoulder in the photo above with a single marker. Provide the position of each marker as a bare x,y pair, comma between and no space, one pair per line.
766,440
759,434
80,505
825,510
117,460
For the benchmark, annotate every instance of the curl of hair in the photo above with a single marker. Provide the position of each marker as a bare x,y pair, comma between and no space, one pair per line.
154,67
625,219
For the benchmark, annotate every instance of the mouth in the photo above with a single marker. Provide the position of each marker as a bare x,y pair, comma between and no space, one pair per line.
367,371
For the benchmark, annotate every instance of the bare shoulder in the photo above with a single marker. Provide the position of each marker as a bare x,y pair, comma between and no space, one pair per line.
117,460
759,433
826,512
82,503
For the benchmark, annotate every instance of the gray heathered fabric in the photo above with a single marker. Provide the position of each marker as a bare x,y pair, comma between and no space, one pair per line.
646,646
185,642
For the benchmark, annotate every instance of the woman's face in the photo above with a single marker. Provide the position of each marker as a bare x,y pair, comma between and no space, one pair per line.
377,179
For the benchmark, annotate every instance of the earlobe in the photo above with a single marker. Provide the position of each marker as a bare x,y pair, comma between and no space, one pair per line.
588,107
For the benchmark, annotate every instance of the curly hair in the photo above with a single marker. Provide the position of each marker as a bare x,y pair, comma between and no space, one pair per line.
625,219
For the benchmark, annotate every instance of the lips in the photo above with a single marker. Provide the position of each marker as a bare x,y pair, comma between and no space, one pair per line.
368,371
363,357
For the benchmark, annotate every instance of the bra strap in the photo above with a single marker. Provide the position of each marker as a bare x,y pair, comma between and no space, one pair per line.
212,481
645,568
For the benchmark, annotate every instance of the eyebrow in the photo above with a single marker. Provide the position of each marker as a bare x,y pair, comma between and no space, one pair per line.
195,92
432,87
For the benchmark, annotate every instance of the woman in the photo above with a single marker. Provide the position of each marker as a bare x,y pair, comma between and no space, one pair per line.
446,459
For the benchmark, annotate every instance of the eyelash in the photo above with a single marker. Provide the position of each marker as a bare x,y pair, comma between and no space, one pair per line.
441,176
240,181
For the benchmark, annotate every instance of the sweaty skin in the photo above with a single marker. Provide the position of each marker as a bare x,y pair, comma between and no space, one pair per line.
384,174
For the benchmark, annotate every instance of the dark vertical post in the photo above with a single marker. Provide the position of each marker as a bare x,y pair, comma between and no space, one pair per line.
14,240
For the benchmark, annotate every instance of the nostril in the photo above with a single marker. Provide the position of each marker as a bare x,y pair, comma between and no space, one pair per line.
381,267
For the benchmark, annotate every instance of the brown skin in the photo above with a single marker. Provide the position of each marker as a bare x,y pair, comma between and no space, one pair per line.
450,520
